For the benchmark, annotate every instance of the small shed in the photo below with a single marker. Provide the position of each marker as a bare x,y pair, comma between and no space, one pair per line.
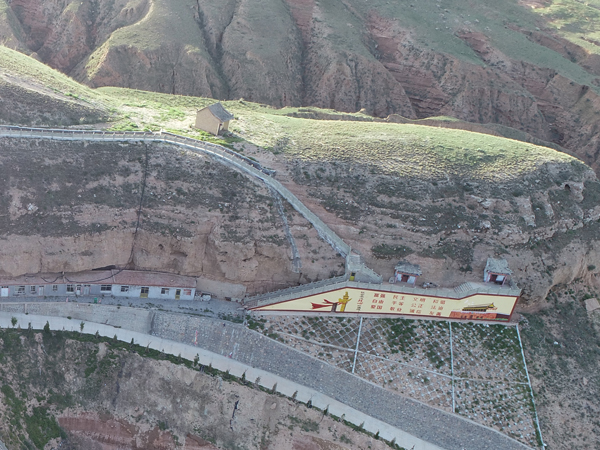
406,272
213,119
496,271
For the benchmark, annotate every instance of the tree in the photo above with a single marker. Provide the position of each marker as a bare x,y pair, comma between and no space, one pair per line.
47,327
81,325
14,321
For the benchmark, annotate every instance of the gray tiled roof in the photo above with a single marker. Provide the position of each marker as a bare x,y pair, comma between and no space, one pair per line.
497,266
408,268
219,112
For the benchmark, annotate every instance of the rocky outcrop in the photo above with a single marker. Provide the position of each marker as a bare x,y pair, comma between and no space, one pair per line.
74,206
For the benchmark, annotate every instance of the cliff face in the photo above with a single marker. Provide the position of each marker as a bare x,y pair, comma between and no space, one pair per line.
545,223
71,207
178,406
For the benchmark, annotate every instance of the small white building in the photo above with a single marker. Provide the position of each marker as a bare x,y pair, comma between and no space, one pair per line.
119,283
129,283
496,271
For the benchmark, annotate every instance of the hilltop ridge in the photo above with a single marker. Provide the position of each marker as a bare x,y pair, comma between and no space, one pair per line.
530,66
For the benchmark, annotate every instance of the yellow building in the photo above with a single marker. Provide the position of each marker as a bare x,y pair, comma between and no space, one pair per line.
213,119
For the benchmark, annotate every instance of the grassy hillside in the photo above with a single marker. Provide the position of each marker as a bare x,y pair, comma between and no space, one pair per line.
435,25
575,21
166,23
396,149
31,93
40,76
406,150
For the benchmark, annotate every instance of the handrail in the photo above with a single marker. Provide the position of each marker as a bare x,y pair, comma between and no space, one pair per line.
294,289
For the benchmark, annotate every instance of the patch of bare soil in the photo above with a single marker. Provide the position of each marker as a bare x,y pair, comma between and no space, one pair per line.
562,346
535,3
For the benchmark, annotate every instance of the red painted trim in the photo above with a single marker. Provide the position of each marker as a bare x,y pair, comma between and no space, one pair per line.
329,314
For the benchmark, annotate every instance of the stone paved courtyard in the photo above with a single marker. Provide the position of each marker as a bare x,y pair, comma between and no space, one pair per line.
475,370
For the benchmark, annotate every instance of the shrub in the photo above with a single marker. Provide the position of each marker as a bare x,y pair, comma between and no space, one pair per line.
385,251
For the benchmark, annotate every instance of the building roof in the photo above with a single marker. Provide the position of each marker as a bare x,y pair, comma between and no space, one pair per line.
408,268
162,279
88,277
125,277
219,112
30,280
499,265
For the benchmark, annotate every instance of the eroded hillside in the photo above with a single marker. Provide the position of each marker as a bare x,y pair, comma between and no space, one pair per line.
108,396
73,206
531,66
446,199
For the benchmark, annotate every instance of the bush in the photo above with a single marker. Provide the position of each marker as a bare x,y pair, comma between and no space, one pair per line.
385,251
42,427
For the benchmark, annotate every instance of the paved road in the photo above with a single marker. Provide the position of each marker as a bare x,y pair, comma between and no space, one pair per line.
213,308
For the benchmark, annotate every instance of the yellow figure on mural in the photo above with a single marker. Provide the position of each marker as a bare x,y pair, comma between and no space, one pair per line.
343,301
326,303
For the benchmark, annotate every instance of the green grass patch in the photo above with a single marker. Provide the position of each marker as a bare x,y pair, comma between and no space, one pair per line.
42,427
32,71
386,251
404,150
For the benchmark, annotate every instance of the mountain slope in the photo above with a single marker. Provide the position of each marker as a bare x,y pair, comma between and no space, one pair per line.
33,94
531,66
